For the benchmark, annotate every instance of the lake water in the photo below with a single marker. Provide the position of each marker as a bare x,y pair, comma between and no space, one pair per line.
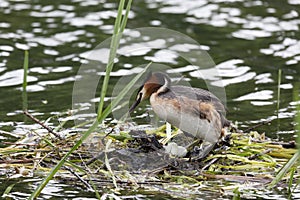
245,43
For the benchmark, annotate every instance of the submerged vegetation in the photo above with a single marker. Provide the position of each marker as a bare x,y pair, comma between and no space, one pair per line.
134,162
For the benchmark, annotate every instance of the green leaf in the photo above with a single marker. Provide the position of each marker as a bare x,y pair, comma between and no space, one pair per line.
237,194
285,169
7,190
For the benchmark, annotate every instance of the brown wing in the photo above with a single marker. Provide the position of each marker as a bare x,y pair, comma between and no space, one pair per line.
204,96
200,95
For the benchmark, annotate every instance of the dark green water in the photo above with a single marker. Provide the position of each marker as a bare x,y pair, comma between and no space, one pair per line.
249,41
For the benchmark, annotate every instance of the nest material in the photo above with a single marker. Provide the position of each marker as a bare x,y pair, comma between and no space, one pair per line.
136,159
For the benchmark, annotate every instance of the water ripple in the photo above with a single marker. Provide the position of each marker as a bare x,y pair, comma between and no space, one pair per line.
260,95
14,77
250,34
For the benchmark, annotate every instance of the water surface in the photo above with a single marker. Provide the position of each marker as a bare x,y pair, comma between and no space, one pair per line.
249,41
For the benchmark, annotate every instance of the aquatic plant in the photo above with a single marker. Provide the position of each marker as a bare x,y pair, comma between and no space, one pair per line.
293,163
24,86
119,27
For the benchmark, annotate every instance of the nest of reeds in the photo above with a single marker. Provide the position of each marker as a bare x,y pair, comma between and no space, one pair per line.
136,160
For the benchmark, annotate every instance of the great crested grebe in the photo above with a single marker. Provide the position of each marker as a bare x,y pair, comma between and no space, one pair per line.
192,110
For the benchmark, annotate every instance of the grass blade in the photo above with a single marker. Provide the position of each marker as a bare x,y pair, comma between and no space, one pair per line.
100,116
285,169
297,119
7,190
24,92
45,181
119,17
108,165
237,194
278,98
125,18
88,132
290,185
113,51
292,161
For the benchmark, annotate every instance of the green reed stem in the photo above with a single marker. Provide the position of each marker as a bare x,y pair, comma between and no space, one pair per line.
105,113
295,159
120,24
288,165
278,98
291,181
118,30
297,118
24,92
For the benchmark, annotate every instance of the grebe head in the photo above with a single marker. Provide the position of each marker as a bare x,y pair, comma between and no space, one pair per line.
155,82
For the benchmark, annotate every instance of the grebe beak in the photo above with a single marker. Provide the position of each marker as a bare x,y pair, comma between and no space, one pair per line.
157,82
137,102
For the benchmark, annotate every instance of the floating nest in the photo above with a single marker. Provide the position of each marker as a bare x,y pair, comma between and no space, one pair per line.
136,162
